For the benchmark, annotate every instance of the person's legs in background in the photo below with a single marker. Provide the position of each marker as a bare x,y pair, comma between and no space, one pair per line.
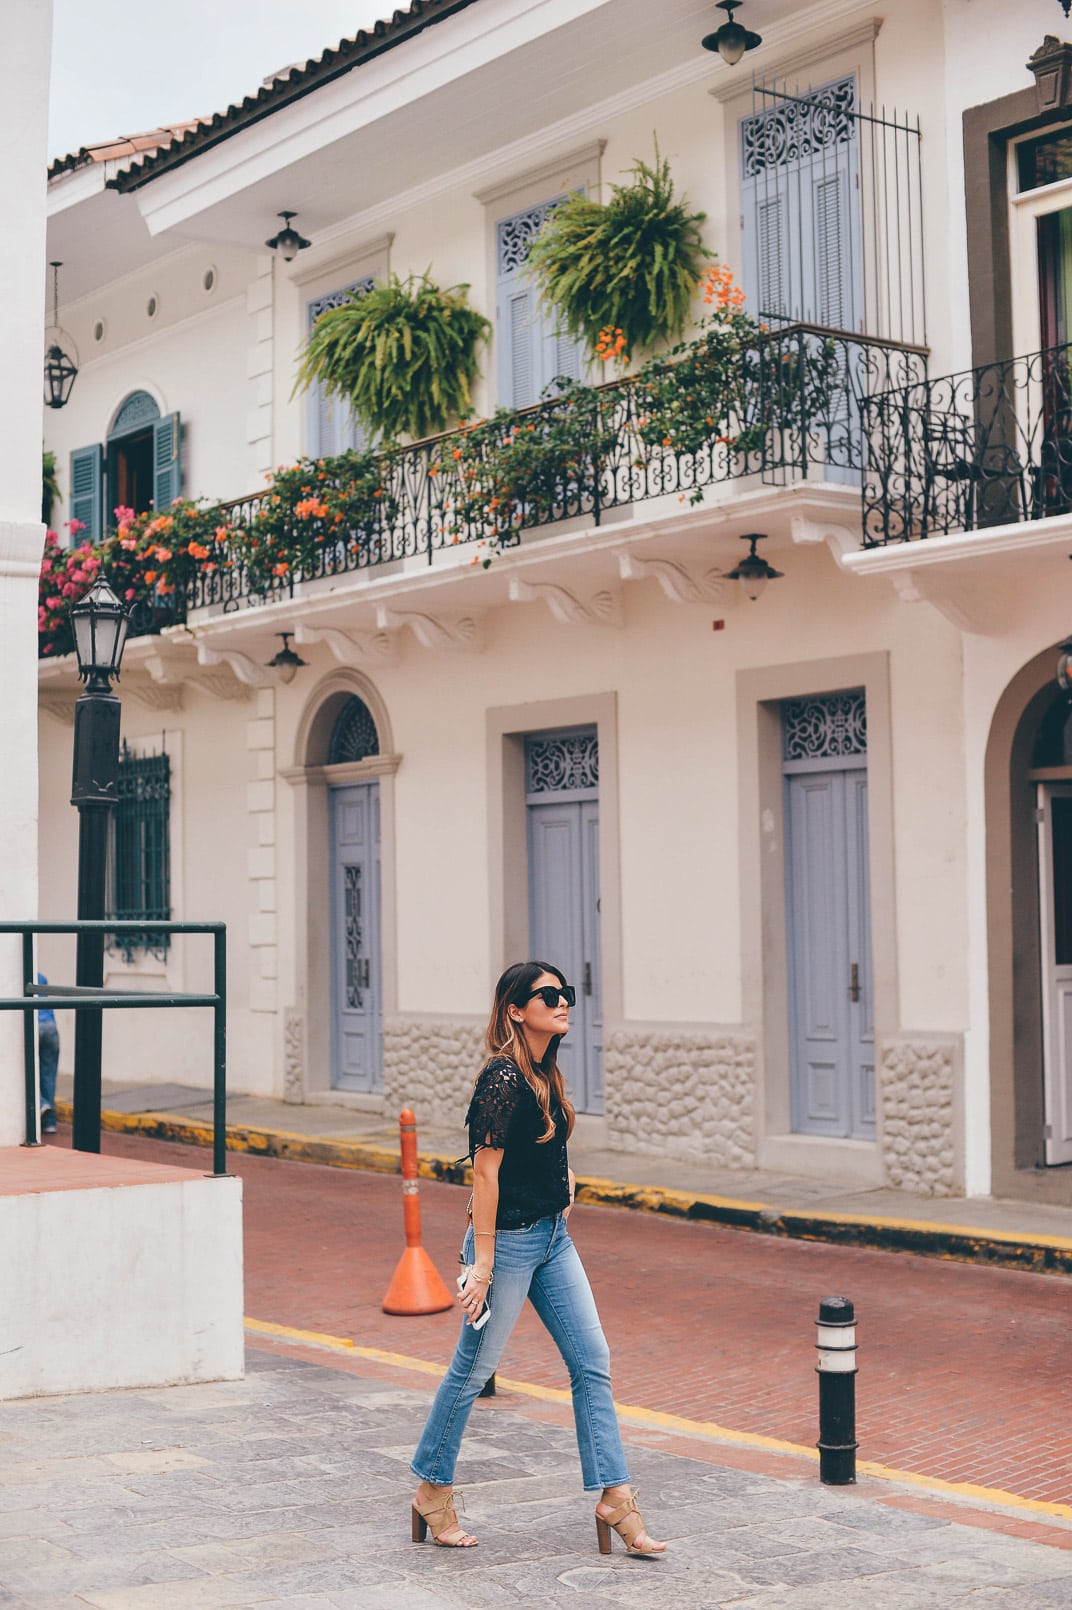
48,1050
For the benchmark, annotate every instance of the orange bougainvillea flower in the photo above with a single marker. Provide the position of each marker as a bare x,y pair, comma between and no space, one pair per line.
150,575
280,569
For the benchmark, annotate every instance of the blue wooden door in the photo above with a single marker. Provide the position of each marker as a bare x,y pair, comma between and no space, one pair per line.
829,947
563,846
357,1012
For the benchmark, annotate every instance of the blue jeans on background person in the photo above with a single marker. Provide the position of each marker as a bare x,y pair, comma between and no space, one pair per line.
541,1263
48,1052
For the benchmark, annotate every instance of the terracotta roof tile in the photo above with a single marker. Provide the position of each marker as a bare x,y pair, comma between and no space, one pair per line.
124,145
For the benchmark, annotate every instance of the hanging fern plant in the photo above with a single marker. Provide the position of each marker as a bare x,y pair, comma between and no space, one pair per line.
630,266
404,355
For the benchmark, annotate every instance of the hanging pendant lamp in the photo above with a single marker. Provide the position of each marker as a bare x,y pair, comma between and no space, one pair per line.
61,355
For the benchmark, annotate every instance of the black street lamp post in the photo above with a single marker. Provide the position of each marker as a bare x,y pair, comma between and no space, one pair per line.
100,625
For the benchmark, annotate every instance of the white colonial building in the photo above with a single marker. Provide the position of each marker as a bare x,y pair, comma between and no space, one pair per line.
807,858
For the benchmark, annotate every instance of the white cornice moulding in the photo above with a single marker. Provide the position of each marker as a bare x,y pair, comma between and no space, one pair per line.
792,57
22,544
544,171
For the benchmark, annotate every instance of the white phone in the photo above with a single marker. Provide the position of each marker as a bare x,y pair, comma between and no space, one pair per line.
463,1281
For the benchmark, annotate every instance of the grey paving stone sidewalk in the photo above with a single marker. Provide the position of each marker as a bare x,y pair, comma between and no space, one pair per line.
291,1489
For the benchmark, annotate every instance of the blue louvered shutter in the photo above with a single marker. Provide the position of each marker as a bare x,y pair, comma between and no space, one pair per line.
521,341
167,462
87,487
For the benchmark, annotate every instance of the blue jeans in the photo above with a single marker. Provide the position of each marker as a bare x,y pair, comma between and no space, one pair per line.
541,1263
48,1055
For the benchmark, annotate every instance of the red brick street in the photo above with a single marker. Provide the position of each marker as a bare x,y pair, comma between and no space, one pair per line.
963,1370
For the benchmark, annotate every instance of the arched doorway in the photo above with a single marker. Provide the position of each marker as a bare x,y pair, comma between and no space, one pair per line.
1029,935
356,974
345,910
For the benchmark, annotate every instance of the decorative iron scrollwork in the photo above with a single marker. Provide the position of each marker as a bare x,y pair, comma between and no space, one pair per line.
799,126
823,728
354,735
515,235
355,999
561,762
339,298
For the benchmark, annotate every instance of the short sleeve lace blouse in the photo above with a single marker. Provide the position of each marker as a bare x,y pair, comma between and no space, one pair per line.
504,1113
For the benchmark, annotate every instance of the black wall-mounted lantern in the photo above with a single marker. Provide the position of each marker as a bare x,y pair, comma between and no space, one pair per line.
753,572
731,41
287,243
61,356
285,660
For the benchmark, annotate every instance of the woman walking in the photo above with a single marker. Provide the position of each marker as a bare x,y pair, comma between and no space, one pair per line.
519,1121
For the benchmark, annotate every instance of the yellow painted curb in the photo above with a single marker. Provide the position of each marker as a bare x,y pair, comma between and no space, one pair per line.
1040,1254
656,1420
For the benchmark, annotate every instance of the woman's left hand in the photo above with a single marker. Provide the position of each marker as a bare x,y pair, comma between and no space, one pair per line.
572,1191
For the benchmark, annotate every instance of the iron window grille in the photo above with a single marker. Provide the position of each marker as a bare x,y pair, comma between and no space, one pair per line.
140,882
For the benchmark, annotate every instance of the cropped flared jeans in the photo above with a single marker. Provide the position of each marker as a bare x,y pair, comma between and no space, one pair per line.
541,1263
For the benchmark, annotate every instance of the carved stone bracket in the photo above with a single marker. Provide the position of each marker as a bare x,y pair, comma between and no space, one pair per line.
838,538
58,703
681,586
604,609
156,694
247,671
350,648
434,631
973,609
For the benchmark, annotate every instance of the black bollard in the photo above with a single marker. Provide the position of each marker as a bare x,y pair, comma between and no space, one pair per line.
836,1368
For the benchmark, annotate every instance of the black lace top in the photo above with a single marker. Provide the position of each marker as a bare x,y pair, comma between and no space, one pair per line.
504,1113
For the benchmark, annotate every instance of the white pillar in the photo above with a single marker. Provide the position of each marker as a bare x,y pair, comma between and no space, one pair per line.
25,44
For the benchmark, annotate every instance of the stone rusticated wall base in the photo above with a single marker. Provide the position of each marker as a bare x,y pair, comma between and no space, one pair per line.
682,1093
429,1064
917,1089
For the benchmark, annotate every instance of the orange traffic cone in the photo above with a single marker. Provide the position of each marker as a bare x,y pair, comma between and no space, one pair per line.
415,1286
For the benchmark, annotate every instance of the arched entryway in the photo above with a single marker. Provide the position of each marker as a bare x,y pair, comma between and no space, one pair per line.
1029,935
345,905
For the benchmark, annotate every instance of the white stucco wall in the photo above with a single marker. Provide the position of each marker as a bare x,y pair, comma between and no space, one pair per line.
148,1291
25,37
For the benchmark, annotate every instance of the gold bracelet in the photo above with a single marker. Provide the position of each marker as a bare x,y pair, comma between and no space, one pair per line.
485,1232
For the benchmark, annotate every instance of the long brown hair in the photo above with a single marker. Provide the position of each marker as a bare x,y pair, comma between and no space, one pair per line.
505,1038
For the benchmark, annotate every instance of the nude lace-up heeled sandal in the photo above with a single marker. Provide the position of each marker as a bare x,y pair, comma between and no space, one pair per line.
440,1518
628,1522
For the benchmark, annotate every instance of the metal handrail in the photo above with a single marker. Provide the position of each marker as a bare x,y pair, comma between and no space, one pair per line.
80,998
791,403
984,447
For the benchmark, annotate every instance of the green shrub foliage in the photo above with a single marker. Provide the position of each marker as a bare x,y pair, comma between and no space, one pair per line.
403,354
632,264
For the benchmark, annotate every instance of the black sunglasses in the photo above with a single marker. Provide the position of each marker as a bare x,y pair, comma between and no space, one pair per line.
551,994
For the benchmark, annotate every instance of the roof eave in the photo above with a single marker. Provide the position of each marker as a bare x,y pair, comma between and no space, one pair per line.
300,82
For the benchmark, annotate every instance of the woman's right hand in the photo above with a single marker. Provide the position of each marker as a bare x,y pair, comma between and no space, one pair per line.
473,1297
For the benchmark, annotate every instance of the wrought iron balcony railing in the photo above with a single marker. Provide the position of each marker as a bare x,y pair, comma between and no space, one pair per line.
789,408
990,446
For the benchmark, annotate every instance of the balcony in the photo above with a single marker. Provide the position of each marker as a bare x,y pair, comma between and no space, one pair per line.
789,411
984,449
692,437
